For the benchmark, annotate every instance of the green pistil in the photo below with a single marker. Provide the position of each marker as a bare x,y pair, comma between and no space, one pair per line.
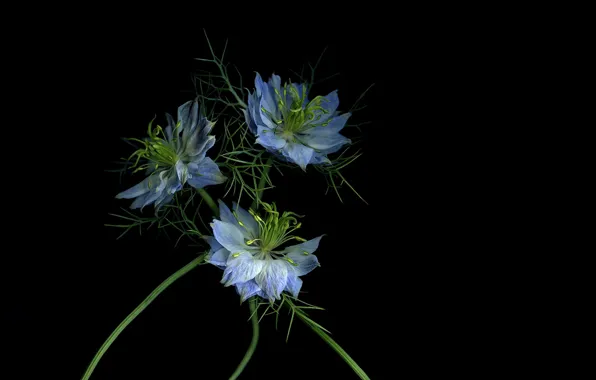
275,229
294,116
157,151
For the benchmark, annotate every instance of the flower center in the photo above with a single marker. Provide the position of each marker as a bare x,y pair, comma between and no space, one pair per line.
157,151
295,116
275,229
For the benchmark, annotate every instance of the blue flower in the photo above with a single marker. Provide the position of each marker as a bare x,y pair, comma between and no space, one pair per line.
288,124
175,158
246,247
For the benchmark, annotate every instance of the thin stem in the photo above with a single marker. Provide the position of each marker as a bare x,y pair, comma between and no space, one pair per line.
209,201
253,301
262,182
344,355
253,343
181,272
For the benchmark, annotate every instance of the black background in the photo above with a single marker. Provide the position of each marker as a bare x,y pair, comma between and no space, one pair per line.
197,327
388,286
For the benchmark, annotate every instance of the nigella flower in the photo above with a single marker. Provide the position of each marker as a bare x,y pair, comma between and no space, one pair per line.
175,158
287,123
247,248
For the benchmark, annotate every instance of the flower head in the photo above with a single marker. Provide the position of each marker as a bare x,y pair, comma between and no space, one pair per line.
287,123
247,248
174,158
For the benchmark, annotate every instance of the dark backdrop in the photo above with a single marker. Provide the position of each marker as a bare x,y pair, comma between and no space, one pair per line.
384,282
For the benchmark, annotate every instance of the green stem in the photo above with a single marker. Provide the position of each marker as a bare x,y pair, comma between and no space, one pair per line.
253,343
253,301
262,182
209,201
181,272
344,355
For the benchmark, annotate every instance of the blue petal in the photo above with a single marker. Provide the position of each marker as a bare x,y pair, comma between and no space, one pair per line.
329,105
298,153
225,214
268,100
181,171
147,191
273,278
325,143
265,119
252,126
275,83
335,125
135,191
302,255
164,199
249,223
219,257
305,263
259,85
269,140
198,146
139,202
309,246
204,173
172,124
294,283
188,117
319,158
300,88
229,236
241,269
247,289
213,243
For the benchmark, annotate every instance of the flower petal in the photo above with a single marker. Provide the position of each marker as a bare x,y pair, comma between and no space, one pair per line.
241,267
247,289
268,100
335,125
188,117
269,140
273,278
212,241
309,246
198,145
318,158
330,104
204,173
301,255
300,88
325,142
164,199
294,283
181,171
298,153
250,122
249,223
229,236
225,214
259,84
218,258
137,190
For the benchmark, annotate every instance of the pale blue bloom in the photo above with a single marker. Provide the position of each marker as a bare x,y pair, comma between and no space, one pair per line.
175,158
247,248
288,124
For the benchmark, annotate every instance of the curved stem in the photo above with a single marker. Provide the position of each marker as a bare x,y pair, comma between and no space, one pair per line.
252,304
344,355
181,272
262,182
209,201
